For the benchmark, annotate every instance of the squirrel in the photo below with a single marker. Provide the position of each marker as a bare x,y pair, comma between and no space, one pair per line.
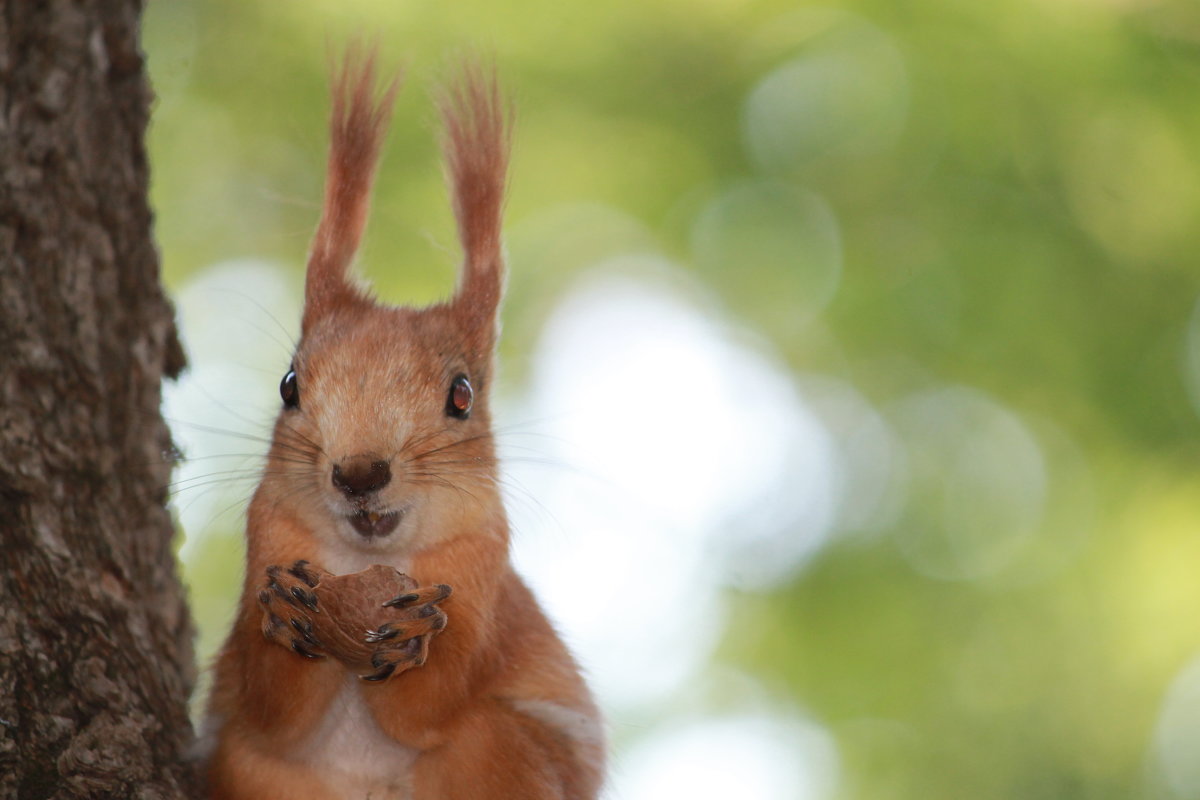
383,454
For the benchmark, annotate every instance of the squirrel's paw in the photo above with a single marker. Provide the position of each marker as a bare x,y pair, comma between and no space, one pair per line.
403,642
289,604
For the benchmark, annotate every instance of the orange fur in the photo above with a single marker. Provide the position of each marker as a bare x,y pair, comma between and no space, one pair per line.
499,709
357,128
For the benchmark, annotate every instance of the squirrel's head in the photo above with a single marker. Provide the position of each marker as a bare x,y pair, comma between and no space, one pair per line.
385,433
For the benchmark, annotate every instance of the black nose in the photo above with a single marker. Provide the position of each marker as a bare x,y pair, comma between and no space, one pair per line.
358,476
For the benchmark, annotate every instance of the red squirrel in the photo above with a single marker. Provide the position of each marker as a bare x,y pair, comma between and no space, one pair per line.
383,454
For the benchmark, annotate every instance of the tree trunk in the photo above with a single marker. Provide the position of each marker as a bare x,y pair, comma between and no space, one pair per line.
95,637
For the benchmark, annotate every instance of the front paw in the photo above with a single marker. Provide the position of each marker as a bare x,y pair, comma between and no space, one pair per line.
289,605
402,643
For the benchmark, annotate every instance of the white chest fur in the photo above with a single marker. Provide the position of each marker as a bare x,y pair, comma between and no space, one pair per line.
354,753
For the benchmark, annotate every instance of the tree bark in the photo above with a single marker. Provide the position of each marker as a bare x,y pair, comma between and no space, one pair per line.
96,658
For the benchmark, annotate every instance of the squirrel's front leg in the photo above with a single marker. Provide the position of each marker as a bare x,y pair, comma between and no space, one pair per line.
289,604
403,642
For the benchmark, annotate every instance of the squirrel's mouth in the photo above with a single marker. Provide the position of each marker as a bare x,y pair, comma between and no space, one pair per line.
375,525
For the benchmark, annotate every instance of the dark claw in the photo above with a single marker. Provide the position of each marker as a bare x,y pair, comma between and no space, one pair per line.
401,601
277,589
274,623
304,651
304,628
385,632
309,599
382,674
300,570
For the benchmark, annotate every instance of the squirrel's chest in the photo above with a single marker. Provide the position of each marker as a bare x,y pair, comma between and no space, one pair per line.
354,752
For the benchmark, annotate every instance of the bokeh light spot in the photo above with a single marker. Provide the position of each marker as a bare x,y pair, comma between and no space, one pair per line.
1177,734
661,498
846,94
773,248
869,495
1191,365
976,482
1132,183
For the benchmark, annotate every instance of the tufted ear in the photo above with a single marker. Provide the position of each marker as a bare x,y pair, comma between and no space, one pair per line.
475,145
358,123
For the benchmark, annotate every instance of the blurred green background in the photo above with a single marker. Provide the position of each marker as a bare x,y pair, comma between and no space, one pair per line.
983,219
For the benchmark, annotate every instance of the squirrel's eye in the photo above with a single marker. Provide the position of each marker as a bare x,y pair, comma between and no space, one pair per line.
458,404
289,390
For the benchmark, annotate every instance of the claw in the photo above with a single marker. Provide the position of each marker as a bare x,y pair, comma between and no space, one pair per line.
381,674
440,593
271,626
382,634
309,599
283,594
304,651
304,628
401,601
300,570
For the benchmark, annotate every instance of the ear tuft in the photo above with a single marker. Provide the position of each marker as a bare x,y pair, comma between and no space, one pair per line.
476,142
358,124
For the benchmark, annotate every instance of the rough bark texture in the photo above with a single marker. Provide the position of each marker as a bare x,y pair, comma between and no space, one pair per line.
95,637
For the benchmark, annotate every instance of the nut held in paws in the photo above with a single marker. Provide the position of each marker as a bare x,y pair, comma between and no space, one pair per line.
378,622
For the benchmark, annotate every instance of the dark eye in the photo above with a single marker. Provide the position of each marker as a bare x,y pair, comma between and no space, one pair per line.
458,404
289,390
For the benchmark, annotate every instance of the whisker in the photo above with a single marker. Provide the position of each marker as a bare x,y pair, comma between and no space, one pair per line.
244,500
206,480
451,445
211,456
307,448
217,402
286,333
420,440
183,509
196,426
304,485
316,448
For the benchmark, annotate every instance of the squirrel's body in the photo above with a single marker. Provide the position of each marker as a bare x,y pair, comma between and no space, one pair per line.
383,455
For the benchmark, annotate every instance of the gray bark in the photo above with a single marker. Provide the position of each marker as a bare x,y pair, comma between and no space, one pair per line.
96,658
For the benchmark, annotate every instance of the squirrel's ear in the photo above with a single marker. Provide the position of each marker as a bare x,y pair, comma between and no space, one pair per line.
358,123
475,144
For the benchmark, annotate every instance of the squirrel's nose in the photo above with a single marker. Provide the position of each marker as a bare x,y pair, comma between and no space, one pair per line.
359,475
